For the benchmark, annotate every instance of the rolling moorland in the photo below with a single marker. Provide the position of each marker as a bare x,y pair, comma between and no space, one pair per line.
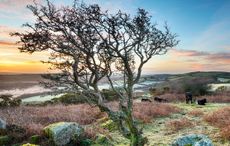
162,123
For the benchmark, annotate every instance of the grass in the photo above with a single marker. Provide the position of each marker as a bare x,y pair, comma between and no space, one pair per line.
218,98
221,119
148,111
34,118
162,123
196,113
176,125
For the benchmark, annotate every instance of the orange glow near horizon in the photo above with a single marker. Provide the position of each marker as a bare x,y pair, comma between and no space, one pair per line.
12,61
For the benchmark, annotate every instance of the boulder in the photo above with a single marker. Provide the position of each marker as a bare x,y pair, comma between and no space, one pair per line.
193,140
2,124
63,133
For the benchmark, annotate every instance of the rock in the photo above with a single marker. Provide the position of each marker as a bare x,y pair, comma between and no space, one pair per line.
63,133
5,140
193,140
2,124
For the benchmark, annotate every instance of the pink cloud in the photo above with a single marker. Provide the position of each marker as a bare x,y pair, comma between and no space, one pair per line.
179,52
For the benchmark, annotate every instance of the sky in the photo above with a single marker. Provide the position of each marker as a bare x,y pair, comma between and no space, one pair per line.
202,26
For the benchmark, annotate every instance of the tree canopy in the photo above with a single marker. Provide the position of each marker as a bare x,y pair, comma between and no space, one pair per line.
89,45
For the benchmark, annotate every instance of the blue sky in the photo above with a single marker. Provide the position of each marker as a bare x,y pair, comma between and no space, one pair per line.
202,27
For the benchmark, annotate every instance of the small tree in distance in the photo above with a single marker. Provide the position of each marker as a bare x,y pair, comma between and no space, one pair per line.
88,45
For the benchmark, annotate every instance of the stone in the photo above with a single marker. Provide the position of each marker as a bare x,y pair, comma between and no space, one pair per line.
2,124
193,140
63,133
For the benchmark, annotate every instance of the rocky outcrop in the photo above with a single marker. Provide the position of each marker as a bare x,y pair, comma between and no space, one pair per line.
2,124
63,133
193,140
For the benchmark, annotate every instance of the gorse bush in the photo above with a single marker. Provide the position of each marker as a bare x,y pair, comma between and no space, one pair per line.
6,100
109,94
197,89
69,98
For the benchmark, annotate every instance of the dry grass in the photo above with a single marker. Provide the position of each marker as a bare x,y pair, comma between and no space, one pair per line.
221,98
173,97
220,119
35,118
176,125
196,113
147,111
215,98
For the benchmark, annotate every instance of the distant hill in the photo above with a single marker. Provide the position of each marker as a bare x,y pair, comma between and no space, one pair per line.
180,83
214,74
168,77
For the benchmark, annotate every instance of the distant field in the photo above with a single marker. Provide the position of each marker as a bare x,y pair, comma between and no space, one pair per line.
19,81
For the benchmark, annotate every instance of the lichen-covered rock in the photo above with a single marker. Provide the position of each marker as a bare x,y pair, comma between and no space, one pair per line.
193,140
63,133
2,124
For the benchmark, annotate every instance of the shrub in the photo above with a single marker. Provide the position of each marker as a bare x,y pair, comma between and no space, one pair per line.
34,118
174,97
221,89
6,100
220,119
35,139
5,140
196,113
197,85
179,124
225,132
158,91
109,94
176,125
148,111
17,133
69,98
197,89
221,98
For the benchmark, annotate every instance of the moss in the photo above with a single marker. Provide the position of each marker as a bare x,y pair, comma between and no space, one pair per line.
86,142
48,128
102,140
5,140
35,139
110,125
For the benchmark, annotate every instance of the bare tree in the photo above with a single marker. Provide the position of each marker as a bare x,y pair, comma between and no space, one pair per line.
88,45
